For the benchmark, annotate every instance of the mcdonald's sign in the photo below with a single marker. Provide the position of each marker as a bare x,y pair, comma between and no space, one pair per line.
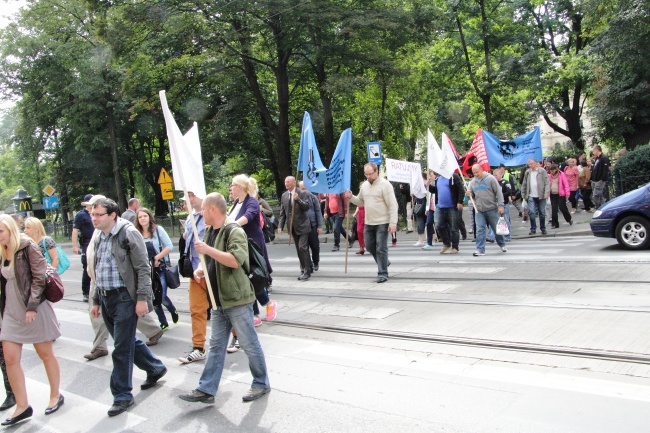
23,205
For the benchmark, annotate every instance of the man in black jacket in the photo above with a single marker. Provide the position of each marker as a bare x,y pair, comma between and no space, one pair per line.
450,194
599,176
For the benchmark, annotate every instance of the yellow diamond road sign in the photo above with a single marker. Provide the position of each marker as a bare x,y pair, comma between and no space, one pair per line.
48,190
164,177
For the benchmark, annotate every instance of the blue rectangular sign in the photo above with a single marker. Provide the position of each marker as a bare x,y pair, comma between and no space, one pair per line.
50,202
374,152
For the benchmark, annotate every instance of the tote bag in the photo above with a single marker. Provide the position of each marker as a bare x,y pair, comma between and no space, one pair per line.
64,261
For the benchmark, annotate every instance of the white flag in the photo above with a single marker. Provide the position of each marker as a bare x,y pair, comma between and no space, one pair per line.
434,154
448,164
187,165
417,184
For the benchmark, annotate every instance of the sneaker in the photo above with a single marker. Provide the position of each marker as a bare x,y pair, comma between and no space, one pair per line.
530,233
543,232
257,321
164,327
418,244
504,249
394,243
336,248
470,231
193,356
234,345
255,393
197,396
174,316
428,247
444,249
271,311
572,212
478,254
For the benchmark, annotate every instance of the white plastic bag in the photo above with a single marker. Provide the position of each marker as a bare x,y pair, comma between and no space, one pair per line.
502,227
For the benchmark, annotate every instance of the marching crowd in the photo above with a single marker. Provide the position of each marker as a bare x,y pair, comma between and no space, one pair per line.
123,256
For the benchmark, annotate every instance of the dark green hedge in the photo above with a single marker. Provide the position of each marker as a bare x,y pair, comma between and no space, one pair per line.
631,170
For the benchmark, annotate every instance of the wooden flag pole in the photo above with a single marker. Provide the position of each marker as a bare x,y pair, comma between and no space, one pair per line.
347,239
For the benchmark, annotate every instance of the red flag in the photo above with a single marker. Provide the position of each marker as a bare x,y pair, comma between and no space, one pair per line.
478,150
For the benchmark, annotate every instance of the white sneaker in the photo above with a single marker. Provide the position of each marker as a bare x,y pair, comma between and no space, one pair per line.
193,356
418,244
234,346
504,249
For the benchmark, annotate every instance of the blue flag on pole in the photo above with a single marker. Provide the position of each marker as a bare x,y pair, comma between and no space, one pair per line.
513,152
316,178
308,158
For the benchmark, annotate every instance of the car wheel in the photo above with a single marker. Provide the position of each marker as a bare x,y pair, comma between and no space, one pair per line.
632,233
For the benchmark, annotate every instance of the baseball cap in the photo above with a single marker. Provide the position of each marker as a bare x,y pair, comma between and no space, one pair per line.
92,199
185,197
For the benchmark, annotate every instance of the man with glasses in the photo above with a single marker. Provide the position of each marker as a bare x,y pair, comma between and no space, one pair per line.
122,277
378,198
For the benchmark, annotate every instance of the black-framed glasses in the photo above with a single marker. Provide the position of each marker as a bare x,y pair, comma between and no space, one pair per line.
97,215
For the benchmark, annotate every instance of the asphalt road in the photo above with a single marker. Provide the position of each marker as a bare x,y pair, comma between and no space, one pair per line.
548,337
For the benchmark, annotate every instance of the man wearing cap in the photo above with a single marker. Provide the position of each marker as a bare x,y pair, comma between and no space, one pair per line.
199,304
82,231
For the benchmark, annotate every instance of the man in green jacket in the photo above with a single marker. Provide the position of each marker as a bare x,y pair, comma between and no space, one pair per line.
225,248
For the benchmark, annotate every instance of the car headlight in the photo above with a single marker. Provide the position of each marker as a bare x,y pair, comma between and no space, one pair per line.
598,213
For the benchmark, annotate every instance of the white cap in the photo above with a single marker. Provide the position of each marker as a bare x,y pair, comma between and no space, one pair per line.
93,200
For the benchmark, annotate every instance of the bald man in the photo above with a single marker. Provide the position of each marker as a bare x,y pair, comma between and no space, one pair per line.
488,203
294,206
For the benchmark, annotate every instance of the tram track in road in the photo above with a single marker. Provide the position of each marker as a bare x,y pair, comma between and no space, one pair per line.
574,352
436,300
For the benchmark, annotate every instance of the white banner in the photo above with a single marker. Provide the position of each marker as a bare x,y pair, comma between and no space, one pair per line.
401,171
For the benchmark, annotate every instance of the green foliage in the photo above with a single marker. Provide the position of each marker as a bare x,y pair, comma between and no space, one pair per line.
632,169
561,151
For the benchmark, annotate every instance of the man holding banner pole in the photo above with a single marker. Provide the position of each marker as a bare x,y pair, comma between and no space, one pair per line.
378,198
294,205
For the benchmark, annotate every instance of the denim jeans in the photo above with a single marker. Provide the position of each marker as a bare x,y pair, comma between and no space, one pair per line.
483,219
222,322
447,226
165,299
118,311
537,205
376,238
338,229
506,215
430,222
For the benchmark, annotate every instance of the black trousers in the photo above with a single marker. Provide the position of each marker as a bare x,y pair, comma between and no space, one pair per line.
558,201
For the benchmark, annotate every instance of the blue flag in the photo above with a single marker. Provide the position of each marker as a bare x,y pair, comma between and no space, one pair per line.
308,158
513,152
337,178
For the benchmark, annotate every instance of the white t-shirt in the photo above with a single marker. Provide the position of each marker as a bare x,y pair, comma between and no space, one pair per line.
533,184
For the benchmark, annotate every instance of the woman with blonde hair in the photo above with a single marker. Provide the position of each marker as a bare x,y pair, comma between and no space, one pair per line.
27,318
35,230
246,213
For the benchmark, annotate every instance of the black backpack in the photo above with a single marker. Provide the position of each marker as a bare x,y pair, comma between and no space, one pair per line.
257,271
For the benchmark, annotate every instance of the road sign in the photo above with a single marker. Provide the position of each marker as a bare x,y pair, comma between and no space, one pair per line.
374,152
167,191
51,202
48,190
164,177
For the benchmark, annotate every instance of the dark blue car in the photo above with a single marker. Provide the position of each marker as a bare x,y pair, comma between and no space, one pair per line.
626,218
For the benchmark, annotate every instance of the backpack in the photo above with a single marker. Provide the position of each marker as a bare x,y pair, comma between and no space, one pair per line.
257,271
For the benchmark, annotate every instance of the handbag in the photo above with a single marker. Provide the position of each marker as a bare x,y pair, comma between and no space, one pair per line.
172,277
53,285
185,267
171,272
418,209
502,227
64,261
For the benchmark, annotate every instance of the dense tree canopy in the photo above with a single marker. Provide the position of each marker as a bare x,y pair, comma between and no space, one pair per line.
87,73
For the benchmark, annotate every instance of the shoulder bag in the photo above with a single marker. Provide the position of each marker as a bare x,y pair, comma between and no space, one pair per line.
64,261
171,272
53,285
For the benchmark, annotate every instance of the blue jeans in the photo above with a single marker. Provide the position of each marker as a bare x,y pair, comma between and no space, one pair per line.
536,205
376,238
222,322
118,311
338,229
430,222
506,214
447,226
165,299
483,219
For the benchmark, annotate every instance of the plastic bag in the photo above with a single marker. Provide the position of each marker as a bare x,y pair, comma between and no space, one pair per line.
502,227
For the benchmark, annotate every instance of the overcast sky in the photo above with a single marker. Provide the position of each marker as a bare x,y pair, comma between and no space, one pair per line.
9,8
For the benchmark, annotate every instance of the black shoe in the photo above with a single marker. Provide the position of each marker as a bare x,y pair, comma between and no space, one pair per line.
175,316
304,277
336,248
59,403
9,402
152,379
543,232
532,232
26,414
380,280
311,269
571,222
197,396
315,267
490,240
85,298
119,407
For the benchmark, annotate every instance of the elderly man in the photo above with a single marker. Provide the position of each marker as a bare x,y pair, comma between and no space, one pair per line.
488,203
294,206
132,210
226,258
123,279
378,198
536,189
316,220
